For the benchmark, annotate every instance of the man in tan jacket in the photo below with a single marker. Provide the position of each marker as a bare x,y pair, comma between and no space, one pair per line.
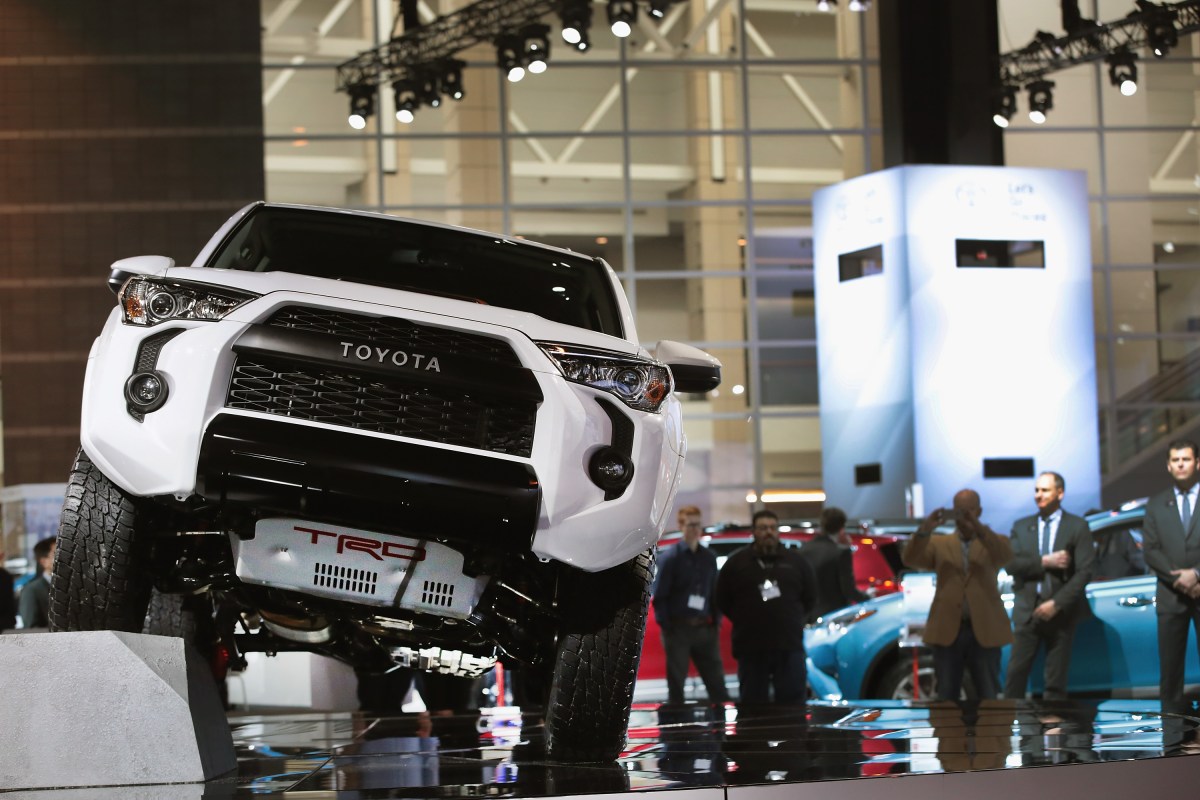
967,624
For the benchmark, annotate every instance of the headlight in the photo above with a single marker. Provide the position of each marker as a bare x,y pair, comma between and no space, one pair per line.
639,383
844,619
148,301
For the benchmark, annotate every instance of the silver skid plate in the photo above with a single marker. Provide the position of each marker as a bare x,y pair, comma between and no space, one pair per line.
373,569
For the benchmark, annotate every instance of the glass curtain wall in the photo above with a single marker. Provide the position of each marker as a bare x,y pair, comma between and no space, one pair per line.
687,154
1140,155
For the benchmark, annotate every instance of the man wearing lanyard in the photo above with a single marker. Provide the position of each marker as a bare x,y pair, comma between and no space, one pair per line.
683,606
1051,566
767,591
1172,546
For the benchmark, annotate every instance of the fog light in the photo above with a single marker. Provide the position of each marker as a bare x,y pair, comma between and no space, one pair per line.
610,469
146,391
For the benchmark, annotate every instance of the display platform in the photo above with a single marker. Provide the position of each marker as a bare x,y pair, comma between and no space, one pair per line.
860,749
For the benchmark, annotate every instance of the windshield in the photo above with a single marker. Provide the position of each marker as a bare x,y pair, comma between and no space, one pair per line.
399,254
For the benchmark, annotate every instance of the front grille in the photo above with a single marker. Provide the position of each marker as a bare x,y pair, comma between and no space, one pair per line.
399,333
394,406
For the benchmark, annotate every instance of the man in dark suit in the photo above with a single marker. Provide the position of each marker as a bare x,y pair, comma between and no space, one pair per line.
1051,566
833,564
34,603
1172,545
967,625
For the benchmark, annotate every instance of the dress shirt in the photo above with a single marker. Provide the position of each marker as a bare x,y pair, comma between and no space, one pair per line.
1046,542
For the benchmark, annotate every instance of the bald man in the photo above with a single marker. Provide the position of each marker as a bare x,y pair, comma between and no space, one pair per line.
967,623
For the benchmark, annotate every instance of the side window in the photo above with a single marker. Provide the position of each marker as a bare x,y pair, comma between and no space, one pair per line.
1118,552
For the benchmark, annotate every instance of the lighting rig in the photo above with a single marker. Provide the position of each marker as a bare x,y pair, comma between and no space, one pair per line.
1154,26
830,6
419,63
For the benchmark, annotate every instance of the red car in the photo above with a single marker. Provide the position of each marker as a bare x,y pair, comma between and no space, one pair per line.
876,566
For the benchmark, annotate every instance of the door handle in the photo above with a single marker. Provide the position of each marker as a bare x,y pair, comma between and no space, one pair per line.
1136,601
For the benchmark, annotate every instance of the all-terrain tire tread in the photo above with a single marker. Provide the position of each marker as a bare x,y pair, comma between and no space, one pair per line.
101,575
169,615
587,713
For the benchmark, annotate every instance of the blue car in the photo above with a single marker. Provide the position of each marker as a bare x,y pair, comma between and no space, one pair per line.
871,650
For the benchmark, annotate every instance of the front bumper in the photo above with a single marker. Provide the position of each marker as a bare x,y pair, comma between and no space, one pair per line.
379,484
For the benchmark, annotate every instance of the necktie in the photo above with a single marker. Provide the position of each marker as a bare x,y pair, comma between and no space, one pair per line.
1046,545
1185,508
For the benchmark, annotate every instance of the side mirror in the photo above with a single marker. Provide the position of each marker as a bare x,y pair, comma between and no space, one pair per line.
694,370
126,268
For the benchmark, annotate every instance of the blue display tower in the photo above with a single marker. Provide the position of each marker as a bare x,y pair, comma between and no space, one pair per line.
955,338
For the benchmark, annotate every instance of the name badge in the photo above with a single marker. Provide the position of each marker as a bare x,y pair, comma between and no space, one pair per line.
696,601
769,589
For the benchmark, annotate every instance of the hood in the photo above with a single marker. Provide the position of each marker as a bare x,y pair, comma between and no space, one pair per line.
398,302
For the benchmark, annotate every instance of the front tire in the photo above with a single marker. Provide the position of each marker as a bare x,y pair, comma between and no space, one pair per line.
897,682
102,576
596,660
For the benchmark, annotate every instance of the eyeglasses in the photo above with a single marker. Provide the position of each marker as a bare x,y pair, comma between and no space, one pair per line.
765,528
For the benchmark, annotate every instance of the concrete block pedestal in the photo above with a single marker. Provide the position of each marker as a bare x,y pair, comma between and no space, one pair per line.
107,708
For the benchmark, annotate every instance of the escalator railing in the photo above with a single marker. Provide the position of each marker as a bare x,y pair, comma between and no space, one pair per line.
1150,414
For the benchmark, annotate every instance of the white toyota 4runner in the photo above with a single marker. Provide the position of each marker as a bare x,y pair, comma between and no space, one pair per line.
387,441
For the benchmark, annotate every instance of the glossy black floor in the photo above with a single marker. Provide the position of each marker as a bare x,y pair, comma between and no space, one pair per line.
822,751
497,752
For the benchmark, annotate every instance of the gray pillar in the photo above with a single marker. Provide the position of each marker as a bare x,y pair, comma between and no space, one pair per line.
940,64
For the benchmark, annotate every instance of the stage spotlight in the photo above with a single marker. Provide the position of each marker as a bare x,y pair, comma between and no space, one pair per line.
1161,34
621,16
826,5
362,106
429,91
576,19
1122,71
537,47
1006,105
1041,100
452,80
509,52
658,8
407,100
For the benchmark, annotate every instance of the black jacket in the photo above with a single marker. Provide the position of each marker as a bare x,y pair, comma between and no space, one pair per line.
760,625
681,574
1167,546
1065,586
833,565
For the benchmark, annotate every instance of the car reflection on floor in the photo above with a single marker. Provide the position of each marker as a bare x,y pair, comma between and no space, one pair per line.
500,751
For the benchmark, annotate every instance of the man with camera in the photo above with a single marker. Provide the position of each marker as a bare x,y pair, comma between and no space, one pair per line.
967,624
